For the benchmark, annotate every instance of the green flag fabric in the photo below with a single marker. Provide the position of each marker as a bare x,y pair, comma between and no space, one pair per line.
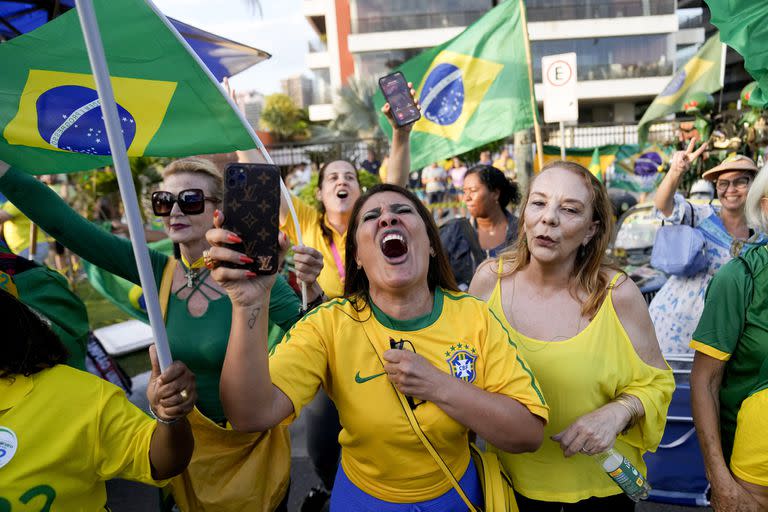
594,165
639,170
703,73
743,26
50,115
473,89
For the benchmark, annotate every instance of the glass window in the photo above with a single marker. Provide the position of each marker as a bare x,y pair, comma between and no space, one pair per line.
609,58
388,15
321,86
378,64
554,10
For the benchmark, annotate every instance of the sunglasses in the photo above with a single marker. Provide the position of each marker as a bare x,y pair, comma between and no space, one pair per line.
191,202
738,183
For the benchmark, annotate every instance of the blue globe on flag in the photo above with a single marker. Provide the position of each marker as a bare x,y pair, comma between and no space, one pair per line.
442,96
648,164
69,118
675,84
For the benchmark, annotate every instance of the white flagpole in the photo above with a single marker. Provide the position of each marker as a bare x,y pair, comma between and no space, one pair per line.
123,170
246,125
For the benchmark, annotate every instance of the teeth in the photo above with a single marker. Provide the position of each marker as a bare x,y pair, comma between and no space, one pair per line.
393,236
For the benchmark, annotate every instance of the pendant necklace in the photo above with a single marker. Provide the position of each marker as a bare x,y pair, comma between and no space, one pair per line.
192,272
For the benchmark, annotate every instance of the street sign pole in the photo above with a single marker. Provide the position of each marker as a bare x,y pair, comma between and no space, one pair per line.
562,140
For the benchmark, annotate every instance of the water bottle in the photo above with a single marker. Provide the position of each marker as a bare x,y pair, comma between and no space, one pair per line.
626,476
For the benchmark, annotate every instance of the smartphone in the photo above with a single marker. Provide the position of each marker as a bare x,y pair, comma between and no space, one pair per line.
398,95
252,211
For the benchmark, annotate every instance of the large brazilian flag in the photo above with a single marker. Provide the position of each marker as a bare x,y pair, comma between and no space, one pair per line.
703,73
743,26
50,114
473,89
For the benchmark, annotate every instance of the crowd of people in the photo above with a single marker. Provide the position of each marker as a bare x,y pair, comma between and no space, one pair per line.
457,318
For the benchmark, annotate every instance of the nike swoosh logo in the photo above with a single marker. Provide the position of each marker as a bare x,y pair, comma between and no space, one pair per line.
360,379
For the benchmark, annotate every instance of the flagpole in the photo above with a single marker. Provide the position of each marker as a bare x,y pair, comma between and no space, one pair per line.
98,62
246,125
534,107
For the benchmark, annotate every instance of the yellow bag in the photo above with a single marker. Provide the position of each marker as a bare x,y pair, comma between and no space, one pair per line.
233,470
497,486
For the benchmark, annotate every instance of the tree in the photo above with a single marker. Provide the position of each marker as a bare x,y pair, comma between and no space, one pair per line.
283,118
355,113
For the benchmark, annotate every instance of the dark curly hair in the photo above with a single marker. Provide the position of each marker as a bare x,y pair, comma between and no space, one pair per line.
439,273
29,344
494,179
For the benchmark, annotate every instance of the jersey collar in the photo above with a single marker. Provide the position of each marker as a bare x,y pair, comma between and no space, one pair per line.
414,324
13,390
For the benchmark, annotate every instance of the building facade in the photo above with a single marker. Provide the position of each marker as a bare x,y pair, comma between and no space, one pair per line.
299,88
627,50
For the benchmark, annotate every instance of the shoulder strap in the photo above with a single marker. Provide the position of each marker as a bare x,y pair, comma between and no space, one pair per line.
500,270
164,293
417,428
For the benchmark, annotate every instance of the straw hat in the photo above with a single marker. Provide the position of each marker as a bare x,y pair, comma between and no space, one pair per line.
732,163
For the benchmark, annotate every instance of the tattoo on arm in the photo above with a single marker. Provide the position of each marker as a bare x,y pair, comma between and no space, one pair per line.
254,317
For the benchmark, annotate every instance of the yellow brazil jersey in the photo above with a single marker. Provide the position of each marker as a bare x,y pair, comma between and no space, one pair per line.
381,454
62,433
579,375
16,230
309,221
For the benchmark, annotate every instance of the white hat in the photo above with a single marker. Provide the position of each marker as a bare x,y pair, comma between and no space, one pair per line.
703,187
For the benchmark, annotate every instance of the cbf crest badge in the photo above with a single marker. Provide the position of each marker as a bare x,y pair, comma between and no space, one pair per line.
461,360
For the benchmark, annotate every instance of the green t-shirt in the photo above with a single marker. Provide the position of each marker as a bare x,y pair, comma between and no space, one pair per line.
734,328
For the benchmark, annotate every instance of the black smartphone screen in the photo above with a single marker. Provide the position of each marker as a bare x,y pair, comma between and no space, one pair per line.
398,95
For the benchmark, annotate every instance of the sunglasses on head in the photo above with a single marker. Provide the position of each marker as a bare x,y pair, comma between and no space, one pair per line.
191,202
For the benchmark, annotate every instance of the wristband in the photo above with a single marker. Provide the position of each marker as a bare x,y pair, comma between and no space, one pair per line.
161,420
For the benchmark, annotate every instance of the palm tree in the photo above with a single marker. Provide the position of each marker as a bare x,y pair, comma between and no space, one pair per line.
355,113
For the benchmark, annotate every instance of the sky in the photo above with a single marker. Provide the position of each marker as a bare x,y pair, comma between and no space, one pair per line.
282,31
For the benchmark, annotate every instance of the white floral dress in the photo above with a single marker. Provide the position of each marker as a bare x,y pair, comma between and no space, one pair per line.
677,307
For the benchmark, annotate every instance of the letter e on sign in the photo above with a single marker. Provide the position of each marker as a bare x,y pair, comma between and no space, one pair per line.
560,97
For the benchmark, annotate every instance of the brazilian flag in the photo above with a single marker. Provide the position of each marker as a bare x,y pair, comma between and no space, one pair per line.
743,26
703,73
50,115
473,89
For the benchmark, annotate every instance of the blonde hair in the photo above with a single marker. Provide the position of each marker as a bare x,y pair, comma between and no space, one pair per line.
591,266
200,166
756,217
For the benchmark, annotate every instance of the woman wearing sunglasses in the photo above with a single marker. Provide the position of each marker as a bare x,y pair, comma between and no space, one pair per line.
198,311
400,324
677,307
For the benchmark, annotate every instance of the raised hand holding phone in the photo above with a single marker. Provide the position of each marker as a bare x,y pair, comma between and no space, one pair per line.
397,92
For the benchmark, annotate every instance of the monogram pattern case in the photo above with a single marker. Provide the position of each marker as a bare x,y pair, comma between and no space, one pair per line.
252,210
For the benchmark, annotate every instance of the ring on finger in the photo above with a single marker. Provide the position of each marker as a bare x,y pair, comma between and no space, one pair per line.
183,394
209,262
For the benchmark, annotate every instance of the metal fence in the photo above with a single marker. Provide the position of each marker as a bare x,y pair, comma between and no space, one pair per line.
581,136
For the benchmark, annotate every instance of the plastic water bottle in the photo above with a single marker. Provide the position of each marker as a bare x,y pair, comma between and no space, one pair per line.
626,476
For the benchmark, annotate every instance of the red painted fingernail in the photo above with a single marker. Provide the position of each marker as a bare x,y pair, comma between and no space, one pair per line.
250,274
216,214
234,238
246,259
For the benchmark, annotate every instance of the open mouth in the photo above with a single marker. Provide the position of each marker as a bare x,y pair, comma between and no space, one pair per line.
544,240
393,246
342,194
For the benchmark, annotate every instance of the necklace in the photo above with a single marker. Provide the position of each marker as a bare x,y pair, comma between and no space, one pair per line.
192,272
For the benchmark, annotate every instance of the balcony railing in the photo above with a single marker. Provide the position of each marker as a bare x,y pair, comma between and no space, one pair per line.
554,10
405,21
613,71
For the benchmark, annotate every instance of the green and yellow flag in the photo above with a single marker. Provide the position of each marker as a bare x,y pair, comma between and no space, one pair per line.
50,114
473,89
743,26
594,165
703,73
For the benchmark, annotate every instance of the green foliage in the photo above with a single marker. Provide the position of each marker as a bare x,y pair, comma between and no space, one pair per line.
307,194
472,156
355,113
283,118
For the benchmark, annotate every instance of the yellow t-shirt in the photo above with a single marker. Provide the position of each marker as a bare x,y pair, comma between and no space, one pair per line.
380,452
72,432
309,221
579,375
16,230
